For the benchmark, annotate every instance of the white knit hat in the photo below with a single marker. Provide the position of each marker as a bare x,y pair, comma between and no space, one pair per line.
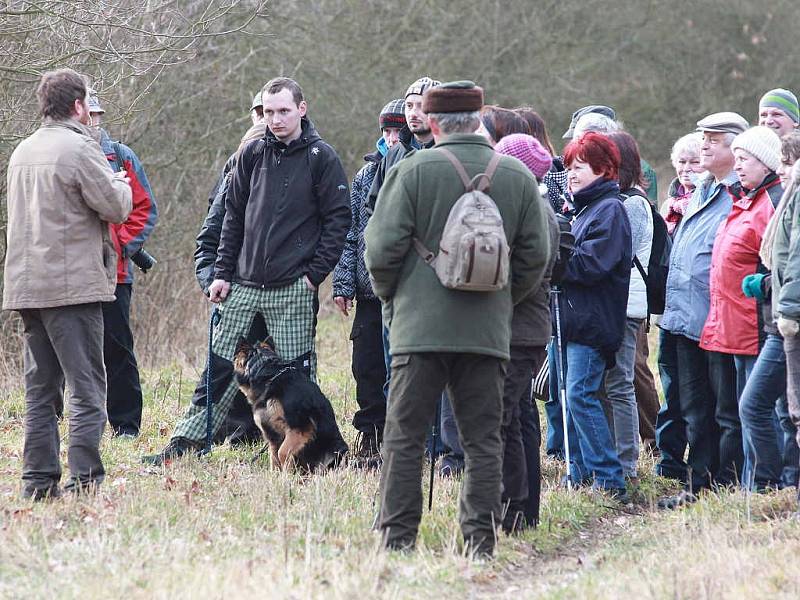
763,143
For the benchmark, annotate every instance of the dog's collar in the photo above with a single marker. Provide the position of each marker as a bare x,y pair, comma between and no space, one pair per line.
279,373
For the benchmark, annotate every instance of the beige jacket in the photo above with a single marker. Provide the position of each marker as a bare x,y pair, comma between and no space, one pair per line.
61,197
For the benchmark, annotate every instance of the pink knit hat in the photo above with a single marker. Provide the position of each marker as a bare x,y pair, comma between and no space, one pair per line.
527,149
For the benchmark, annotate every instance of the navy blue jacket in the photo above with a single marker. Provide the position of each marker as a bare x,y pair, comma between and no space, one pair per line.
596,281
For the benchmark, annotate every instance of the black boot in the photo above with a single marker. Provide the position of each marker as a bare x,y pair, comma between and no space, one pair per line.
176,448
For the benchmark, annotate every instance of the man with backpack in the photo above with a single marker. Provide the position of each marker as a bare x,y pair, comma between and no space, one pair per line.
286,218
429,271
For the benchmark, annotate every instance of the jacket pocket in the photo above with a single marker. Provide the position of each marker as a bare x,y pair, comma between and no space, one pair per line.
109,258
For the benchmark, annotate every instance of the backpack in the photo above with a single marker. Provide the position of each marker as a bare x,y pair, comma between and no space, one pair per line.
473,251
655,278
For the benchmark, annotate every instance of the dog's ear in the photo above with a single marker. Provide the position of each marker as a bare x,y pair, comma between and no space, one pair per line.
243,346
270,343
240,356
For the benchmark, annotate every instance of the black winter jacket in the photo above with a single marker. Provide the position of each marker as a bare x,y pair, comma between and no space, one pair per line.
530,324
396,153
205,252
287,212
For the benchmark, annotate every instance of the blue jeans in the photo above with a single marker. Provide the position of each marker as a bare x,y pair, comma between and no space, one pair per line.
592,452
621,400
766,383
670,424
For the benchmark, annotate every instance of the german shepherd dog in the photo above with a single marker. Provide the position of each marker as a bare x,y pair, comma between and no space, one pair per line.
295,417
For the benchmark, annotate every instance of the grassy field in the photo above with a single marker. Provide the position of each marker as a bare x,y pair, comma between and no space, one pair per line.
227,527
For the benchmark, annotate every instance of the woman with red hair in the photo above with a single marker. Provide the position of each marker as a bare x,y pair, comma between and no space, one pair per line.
593,305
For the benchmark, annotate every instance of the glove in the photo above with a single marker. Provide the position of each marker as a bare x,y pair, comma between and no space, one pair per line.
788,327
752,286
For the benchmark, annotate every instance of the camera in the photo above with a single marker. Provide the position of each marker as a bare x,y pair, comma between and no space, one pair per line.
143,259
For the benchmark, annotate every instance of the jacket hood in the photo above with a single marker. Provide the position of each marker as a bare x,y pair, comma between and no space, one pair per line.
75,125
600,188
308,135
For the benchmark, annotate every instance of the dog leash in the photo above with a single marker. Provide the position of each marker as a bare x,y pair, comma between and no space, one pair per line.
212,322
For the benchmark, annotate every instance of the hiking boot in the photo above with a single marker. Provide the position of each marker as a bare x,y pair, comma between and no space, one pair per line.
679,500
452,465
621,495
367,454
41,494
176,448
514,521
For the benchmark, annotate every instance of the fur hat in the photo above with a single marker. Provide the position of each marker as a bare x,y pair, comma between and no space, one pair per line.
454,96
763,143
392,115
527,149
782,100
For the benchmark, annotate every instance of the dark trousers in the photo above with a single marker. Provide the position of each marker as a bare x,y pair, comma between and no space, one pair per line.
725,385
124,404
647,403
522,436
475,387
670,424
63,345
515,470
369,369
698,407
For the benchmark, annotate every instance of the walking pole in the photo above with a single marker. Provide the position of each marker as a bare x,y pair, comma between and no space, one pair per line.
209,404
562,385
434,434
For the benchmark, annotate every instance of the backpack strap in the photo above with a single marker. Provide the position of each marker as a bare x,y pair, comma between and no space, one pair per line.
462,172
639,266
484,179
118,155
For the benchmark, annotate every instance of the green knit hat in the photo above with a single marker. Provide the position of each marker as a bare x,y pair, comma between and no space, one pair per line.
782,100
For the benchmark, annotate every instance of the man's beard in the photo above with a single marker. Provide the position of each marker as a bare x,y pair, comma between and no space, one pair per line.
422,131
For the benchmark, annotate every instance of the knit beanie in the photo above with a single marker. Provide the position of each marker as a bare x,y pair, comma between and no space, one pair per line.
393,115
782,100
528,150
420,86
763,143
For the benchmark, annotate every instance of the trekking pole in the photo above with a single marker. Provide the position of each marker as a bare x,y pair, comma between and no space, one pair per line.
434,434
209,404
562,385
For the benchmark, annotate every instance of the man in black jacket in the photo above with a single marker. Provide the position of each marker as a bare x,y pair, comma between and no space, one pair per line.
287,213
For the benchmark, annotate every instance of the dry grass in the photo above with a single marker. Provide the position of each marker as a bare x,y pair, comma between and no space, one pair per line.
224,526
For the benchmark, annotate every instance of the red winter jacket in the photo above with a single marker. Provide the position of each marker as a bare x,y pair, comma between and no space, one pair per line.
732,323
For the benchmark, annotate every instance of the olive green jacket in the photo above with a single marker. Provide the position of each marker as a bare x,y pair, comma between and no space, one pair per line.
415,201
786,262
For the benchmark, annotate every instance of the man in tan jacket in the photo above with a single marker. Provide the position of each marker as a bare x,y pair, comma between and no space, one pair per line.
60,265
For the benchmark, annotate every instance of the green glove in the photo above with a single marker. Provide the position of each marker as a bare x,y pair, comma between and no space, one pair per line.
752,286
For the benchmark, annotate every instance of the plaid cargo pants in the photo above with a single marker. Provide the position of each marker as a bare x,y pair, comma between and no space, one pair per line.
290,315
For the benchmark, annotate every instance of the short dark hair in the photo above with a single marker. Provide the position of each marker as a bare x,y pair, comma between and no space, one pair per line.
630,164
275,85
537,127
500,122
58,91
